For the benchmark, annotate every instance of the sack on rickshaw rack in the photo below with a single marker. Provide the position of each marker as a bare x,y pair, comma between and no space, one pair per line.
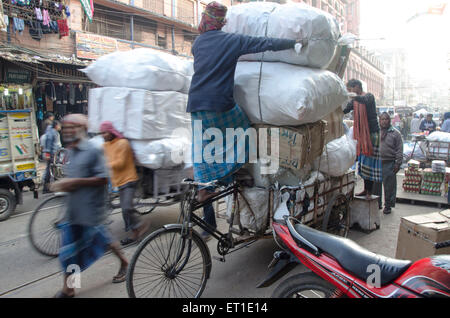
142,68
163,153
256,218
290,21
138,113
338,156
439,136
282,94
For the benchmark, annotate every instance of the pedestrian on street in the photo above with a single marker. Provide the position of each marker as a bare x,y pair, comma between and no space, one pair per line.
51,143
84,236
211,101
446,125
120,159
415,124
391,149
48,121
366,132
428,124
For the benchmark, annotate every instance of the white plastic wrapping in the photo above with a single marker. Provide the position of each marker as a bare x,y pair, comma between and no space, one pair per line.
338,157
439,136
137,113
290,21
142,68
163,153
284,94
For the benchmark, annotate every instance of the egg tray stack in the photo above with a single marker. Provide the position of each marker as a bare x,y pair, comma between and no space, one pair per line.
432,182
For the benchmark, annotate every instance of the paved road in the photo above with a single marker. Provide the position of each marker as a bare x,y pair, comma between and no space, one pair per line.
39,275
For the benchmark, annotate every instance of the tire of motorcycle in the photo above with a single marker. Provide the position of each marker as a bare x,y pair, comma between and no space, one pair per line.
308,283
7,204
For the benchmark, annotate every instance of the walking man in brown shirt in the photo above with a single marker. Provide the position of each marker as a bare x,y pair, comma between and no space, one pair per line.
391,149
120,159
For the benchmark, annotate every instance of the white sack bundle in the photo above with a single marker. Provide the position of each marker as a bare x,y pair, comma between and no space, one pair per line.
258,199
338,157
289,21
283,94
441,136
142,68
137,113
163,153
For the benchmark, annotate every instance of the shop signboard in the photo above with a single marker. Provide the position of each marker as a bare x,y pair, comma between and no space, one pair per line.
93,46
18,76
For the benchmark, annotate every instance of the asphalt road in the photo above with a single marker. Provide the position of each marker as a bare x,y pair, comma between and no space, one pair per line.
26,273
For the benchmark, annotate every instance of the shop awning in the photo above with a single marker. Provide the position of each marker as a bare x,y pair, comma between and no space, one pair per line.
18,54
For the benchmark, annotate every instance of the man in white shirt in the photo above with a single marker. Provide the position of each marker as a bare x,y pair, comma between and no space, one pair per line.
415,124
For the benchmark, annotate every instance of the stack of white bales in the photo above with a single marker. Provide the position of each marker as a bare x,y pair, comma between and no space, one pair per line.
286,88
144,95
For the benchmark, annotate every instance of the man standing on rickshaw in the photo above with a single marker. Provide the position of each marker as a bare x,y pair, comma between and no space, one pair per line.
211,101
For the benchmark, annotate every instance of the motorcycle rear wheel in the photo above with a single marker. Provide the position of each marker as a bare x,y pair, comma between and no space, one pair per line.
304,285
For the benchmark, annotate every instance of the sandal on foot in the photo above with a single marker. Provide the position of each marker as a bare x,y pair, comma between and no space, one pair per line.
121,276
127,241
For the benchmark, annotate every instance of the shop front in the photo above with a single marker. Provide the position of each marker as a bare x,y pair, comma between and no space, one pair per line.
46,86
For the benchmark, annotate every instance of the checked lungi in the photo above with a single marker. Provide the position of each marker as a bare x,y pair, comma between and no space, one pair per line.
370,167
206,166
82,245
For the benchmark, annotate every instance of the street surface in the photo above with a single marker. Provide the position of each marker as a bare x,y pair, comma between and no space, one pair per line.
26,273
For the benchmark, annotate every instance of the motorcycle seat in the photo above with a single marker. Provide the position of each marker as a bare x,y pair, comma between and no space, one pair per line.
353,257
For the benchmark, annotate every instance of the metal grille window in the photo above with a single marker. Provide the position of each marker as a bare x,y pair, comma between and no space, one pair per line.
185,11
109,25
153,5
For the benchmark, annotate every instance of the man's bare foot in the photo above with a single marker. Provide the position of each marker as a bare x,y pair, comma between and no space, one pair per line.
204,195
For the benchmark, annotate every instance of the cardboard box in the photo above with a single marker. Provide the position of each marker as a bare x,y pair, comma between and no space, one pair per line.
335,128
299,145
419,233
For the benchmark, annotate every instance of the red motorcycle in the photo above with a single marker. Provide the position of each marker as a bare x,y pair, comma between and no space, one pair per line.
342,268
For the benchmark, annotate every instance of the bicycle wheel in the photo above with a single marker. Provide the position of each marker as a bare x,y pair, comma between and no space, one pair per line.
166,265
43,227
304,285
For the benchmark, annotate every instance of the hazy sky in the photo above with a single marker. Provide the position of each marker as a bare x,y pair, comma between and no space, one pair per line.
426,38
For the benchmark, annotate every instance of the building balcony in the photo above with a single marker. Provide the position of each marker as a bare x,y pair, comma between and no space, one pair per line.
179,13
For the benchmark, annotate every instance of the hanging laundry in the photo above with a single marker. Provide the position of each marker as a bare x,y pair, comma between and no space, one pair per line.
18,25
54,26
6,23
63,28
67,11
3,24
46,18
38,14
35,30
